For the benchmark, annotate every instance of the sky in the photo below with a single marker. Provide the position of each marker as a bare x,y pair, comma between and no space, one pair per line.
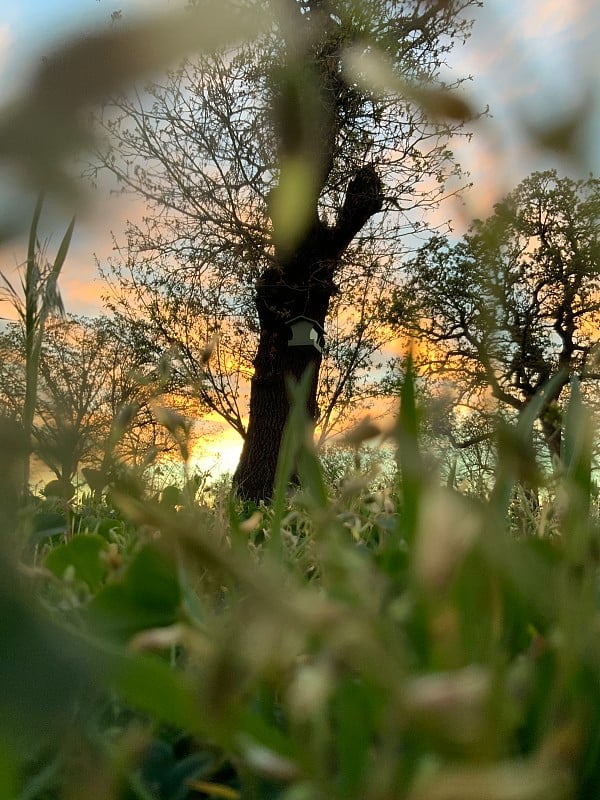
533,63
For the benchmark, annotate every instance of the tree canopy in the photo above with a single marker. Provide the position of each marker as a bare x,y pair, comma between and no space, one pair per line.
280,179
515,304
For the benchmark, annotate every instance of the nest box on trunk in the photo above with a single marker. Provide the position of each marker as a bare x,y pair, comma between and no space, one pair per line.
306,332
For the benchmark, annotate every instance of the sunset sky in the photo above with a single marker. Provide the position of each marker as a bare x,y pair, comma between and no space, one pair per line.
533,63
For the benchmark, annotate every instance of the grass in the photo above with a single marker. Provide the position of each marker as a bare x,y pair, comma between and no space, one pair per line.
409,643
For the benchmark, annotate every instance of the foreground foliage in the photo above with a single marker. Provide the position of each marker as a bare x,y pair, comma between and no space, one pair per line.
400,644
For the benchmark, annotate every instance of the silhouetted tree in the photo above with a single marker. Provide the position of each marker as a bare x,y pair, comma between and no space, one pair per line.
94,399
513,304
275,176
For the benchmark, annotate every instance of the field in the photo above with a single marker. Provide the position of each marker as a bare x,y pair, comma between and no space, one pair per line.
412,641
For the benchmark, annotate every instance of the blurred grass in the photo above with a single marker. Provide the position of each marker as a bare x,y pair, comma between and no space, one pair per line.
424,650
49,124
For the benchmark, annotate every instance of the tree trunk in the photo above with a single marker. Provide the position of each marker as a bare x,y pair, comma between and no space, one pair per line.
302,285
269,408
299,284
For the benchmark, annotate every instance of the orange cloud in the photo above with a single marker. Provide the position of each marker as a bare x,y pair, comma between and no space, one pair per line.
82,296
81,284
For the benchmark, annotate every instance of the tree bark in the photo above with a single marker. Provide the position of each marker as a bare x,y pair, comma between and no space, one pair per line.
299,284
269,408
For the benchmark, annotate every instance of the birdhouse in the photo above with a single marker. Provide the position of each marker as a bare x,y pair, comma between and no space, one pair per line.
306,332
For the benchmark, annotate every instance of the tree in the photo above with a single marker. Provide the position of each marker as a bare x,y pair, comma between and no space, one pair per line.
93,401
515,304
278,180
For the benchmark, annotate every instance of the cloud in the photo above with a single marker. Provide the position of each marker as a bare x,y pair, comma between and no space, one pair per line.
555,18
82,297
157,3
550,18
533,62
6,38
561,39
80,285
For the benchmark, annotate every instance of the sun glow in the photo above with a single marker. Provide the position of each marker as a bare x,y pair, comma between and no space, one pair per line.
218,454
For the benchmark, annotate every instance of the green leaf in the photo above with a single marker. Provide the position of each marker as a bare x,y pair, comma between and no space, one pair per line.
63,249
292,201
151,685
107,525
578,437
409,456
43,783
171,496
353,709
83,554
33,237
46,524
52,300
370,69
43,668
147,596
516,456
577,457
152,577
8,771
291,443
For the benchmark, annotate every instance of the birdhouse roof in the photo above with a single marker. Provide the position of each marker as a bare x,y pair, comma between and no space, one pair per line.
300,319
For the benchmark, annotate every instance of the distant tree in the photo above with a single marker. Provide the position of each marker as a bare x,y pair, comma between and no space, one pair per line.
280,183
513,304
94,398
